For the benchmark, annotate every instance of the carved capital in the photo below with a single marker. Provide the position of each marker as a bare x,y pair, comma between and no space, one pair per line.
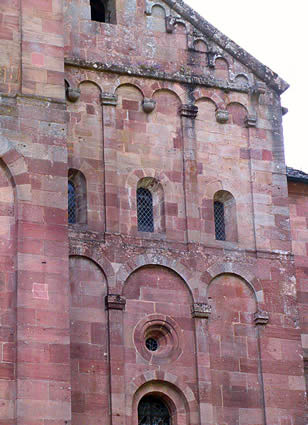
148,105
115,302
222,116
201,310
109,99
261,317
189,111
251,120
72,94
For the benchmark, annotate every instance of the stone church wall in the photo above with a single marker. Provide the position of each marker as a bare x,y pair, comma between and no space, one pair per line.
157,100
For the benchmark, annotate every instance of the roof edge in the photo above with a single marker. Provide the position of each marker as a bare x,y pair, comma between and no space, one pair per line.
296,176
271,78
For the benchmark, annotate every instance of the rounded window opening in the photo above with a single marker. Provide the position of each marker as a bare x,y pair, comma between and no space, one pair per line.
157,340
153,411
152,344
225,216
103,11
77,197
71,203
145,210
150,206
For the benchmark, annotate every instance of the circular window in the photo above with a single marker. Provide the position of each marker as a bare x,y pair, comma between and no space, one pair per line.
151,344
156,339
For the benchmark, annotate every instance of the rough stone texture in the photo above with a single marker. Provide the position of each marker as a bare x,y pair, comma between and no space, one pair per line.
298,201
163,100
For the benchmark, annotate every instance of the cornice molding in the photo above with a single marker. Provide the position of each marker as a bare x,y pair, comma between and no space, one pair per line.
157,75
261,71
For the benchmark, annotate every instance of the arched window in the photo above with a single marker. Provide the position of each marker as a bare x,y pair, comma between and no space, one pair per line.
150,206
77,197
220,226
103,11
153,411
71,203
145,210
225,216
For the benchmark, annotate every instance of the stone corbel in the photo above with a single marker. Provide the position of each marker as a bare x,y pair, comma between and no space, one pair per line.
261,318
148,8
211,57
190,42
222,116
255,92
148,105
201,310
189,111
115,302
171,22
251,120
72,94
109,99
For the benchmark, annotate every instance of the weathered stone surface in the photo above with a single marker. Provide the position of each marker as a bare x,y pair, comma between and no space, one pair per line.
147,94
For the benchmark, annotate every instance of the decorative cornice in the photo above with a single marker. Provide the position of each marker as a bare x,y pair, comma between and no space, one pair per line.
201,310
115,302
207,81
212,33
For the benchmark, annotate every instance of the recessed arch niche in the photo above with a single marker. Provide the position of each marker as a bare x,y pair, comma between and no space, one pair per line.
89,343
233,347
8,295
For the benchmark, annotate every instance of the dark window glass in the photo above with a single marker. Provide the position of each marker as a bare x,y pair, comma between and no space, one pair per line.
98,11
71,203
145,210
219,214
151,344
152,411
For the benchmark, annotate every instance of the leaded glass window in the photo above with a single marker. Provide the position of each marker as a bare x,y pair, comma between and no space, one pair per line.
153,411
220,227
71,203
145,210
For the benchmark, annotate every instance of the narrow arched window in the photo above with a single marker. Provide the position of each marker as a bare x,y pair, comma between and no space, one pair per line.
220,226
225,216
145,210
103,11
98,11
77,197
153,411
71,203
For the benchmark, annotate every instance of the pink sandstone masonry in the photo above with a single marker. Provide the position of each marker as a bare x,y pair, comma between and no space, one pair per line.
133,293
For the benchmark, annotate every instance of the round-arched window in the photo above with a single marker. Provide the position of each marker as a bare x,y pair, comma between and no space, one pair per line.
153,411
145,210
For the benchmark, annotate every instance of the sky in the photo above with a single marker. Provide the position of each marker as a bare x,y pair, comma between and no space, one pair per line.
276,33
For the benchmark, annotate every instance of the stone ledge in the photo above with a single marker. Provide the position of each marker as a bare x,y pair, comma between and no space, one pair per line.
157,75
